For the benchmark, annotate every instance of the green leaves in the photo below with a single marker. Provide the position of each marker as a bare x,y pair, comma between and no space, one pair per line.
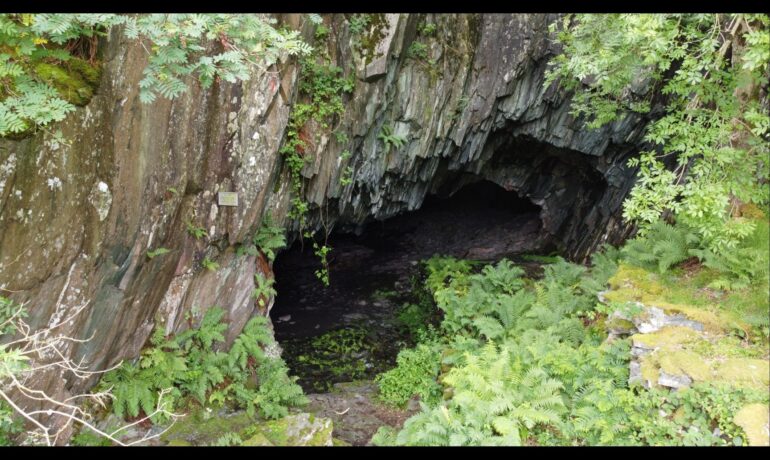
322,87
269,238
389,139
264,290
546,379
189,365
157,252
209,264
496,402
712,126
180,41
195,231
662,246
211,47
415,374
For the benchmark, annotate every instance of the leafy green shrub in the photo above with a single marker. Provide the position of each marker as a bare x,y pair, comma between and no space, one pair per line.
267,239
264,289
228,439
415,317
87,437
157,252
209,264
494,303
195,231
664,246
358,22
10,424
417,51
426,29
8,310
322,87
443,271
415,374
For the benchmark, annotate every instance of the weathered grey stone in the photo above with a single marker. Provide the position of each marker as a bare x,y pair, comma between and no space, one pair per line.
674,381
653,319
634,373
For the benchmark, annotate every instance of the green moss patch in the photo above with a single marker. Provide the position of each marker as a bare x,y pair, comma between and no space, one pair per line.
687,363
258,439
680,353
201,427
75,80
634,284
755,420
668,337
674,296
295,430
744,372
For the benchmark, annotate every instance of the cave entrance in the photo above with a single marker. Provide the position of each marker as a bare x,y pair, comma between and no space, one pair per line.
351,330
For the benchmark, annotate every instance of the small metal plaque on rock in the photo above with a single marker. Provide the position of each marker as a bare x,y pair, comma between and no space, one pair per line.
227,198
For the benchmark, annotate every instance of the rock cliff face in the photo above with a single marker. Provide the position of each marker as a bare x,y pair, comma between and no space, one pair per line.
77,217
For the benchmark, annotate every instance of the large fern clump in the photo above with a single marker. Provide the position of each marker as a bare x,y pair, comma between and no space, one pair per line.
662,247
748,262
496,401
188,365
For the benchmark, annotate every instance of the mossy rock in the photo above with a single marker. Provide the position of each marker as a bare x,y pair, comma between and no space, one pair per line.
258,439
683,362
619,325
728,347
712,322
298,430
752,211
75,80
200,427
179,443
755,421
633,284
340,443
744,372
650,372
91,73
667,337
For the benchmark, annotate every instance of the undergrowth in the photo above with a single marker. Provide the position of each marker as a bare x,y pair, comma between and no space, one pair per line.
197,373
522,362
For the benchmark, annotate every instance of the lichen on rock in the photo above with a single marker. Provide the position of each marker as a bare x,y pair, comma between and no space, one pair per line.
101,199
